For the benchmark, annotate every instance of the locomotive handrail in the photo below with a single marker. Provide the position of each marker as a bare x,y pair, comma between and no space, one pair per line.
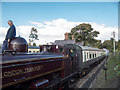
19,79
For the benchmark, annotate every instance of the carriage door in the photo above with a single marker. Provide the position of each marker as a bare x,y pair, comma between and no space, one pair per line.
72,55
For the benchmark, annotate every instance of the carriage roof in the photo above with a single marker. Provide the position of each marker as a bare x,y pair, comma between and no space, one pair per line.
90,48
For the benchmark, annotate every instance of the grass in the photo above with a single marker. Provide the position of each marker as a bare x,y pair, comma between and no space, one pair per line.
112,78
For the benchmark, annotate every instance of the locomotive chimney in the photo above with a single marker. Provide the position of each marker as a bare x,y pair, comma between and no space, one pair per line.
66,36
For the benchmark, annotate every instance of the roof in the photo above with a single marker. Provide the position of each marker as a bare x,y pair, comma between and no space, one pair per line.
64,42
89,48
33,47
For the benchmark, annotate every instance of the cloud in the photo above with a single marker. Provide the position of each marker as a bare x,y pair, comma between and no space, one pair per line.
3,32
37,24
105,32
49,31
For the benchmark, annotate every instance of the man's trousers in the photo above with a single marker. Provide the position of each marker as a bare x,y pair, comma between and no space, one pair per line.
5,45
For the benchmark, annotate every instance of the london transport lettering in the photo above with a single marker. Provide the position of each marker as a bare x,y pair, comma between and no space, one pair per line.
20,71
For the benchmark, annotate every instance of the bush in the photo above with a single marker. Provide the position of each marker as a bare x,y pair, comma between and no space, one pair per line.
117,68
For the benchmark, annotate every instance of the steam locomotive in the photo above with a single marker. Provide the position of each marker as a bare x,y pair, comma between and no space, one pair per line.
53,66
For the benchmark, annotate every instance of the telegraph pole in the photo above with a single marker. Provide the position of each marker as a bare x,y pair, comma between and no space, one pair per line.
114,42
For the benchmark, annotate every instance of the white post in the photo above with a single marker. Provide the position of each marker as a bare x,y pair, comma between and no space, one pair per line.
114,42
114,46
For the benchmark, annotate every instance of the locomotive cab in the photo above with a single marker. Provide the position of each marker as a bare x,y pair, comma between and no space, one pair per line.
17,45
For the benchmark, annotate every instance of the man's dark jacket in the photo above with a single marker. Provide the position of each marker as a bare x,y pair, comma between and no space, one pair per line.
11,33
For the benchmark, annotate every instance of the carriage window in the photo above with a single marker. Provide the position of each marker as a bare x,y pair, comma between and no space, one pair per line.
49,48
57,47
90,56
61,49
41,49
71,52
85,56
93,55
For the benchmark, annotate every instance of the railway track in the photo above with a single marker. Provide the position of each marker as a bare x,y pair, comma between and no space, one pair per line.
87,80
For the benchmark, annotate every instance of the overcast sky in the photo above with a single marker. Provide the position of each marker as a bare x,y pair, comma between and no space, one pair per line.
53,19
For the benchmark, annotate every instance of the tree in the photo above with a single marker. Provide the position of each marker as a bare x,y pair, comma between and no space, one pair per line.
33,36
108,45
84,33
98,44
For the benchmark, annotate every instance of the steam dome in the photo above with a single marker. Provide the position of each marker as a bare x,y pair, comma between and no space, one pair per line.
19,44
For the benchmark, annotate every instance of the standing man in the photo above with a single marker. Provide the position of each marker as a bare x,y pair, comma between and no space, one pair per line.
11,33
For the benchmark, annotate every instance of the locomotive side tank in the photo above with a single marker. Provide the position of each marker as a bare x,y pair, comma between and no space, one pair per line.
21,68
